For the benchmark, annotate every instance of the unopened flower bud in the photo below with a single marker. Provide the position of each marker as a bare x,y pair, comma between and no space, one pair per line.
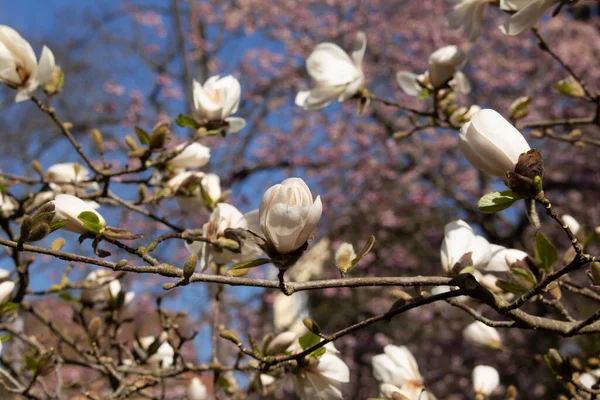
594,272
344,256
229,335
311,325
98,140
190,266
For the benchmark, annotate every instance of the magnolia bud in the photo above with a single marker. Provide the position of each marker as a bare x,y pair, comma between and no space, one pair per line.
229,335
190,266
131,143
37,167
98,140
520,108
344,256
594,272
94,327
312,326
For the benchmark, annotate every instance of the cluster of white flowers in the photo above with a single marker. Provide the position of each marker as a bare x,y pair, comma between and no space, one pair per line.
525,14
286,219
106,290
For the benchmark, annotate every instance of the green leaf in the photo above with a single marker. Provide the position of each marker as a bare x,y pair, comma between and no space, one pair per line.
308,340
91,222
365,250
523,276
318,352
497,201
61,80
9,307
250,264
61,223
187,121
5,337
425,93
546,254
510,287
569,87
31,363
142,135
66,296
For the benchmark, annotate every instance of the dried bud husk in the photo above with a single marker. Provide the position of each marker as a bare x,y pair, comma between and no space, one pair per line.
594,272
160,135
529,166
190,266
37,167
312,326
142,192
229,335
57,244
68,125
168,286
399,396
94,327
98,140
40,231
25,228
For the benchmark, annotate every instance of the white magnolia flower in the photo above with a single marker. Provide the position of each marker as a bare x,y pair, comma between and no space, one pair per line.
503,258
460,239
571,223
218,100
444,68
398,366
338,76
266,380
490,143
527,15
485,380
8,205
194,155
468,13
6,289
19,67
163,356
97,292
589,379
480,334
288,215
225,216
388,391
281,343
69,207
289,311
116,296
211,185
62,175
197,390
322,380
189,200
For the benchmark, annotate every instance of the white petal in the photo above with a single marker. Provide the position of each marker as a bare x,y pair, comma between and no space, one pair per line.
329,65
527,17
46,65
405,361
197,390
235,124
572,223
359,49
485,379
460,83
408,83
6,289
318,98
